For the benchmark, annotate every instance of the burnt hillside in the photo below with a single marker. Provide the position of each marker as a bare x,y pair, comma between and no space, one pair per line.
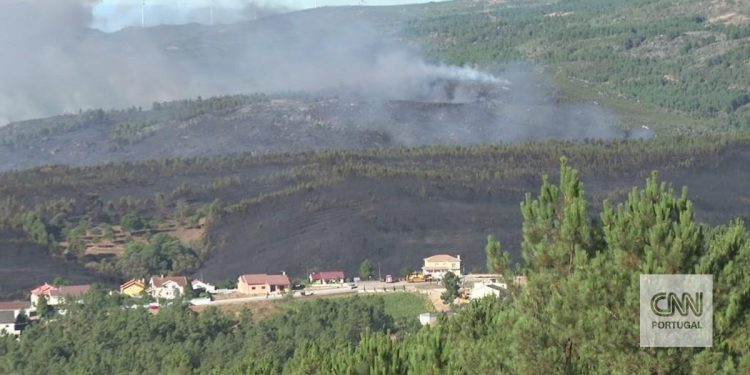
298,212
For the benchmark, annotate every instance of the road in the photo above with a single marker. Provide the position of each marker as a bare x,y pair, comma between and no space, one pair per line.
241,300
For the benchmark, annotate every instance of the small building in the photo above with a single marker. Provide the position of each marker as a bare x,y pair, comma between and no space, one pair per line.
167,287
327,277
58,295
8,323
438,265
430,318
202,286
488,288
262,284
133,287
17,307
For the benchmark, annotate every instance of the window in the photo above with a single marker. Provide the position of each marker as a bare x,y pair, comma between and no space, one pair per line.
253,288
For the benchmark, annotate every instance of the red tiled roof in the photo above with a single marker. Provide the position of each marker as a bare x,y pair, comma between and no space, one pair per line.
262,278
327,275
15,305
42,289
158,282
70,290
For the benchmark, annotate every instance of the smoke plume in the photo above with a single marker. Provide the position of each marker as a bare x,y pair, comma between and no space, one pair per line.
55,62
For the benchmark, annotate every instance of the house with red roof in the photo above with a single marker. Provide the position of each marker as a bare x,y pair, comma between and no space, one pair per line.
327,277
167,287
262,284
57,295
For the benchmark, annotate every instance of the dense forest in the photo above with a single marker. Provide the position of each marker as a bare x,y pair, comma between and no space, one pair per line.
577,314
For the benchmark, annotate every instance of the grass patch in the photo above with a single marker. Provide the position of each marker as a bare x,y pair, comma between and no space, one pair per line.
404,305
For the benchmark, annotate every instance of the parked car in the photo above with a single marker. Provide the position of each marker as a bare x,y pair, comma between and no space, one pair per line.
352,286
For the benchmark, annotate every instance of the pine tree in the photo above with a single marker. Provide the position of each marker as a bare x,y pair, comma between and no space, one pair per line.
498,261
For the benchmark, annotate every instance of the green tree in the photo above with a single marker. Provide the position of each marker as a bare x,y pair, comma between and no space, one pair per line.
366,269
132,222
42,307
405,271
61,281
498,261
451,283
36,229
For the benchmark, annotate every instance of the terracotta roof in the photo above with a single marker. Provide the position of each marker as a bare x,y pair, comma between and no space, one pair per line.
15,305
327,275
42,289
70,290
262,278
442,258
158,281
132,282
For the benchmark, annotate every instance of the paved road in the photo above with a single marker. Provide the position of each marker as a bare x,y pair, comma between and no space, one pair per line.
321,292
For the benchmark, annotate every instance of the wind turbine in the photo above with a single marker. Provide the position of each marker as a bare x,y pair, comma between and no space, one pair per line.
143,13
212,12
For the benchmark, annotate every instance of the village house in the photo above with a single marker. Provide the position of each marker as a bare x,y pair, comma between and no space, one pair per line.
202,286
17,307
8,323
133,287
167,287
438,265
58,295
487,288
327,277
262,284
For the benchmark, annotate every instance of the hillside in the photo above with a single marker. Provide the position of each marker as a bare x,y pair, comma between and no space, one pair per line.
331,209
577,312
378,78
682,65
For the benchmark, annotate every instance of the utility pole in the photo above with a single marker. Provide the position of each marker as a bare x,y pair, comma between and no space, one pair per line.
379,278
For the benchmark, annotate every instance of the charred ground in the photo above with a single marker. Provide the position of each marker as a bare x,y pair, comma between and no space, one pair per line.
331,209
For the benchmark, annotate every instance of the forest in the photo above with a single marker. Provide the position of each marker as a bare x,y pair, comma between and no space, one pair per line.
673,55
577,314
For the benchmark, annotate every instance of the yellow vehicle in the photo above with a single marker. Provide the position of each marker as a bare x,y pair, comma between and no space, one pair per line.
418,278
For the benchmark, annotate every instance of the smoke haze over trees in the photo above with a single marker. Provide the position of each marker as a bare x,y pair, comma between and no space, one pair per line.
322,52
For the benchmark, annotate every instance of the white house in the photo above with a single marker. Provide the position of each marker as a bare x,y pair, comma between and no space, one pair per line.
438,265
201,285
167,287
487,288
7,323
17,307
57,295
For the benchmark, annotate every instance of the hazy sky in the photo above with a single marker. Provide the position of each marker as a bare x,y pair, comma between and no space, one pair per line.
111,15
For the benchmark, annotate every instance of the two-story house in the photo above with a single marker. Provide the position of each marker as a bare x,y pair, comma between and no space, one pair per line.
167,287
438,265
